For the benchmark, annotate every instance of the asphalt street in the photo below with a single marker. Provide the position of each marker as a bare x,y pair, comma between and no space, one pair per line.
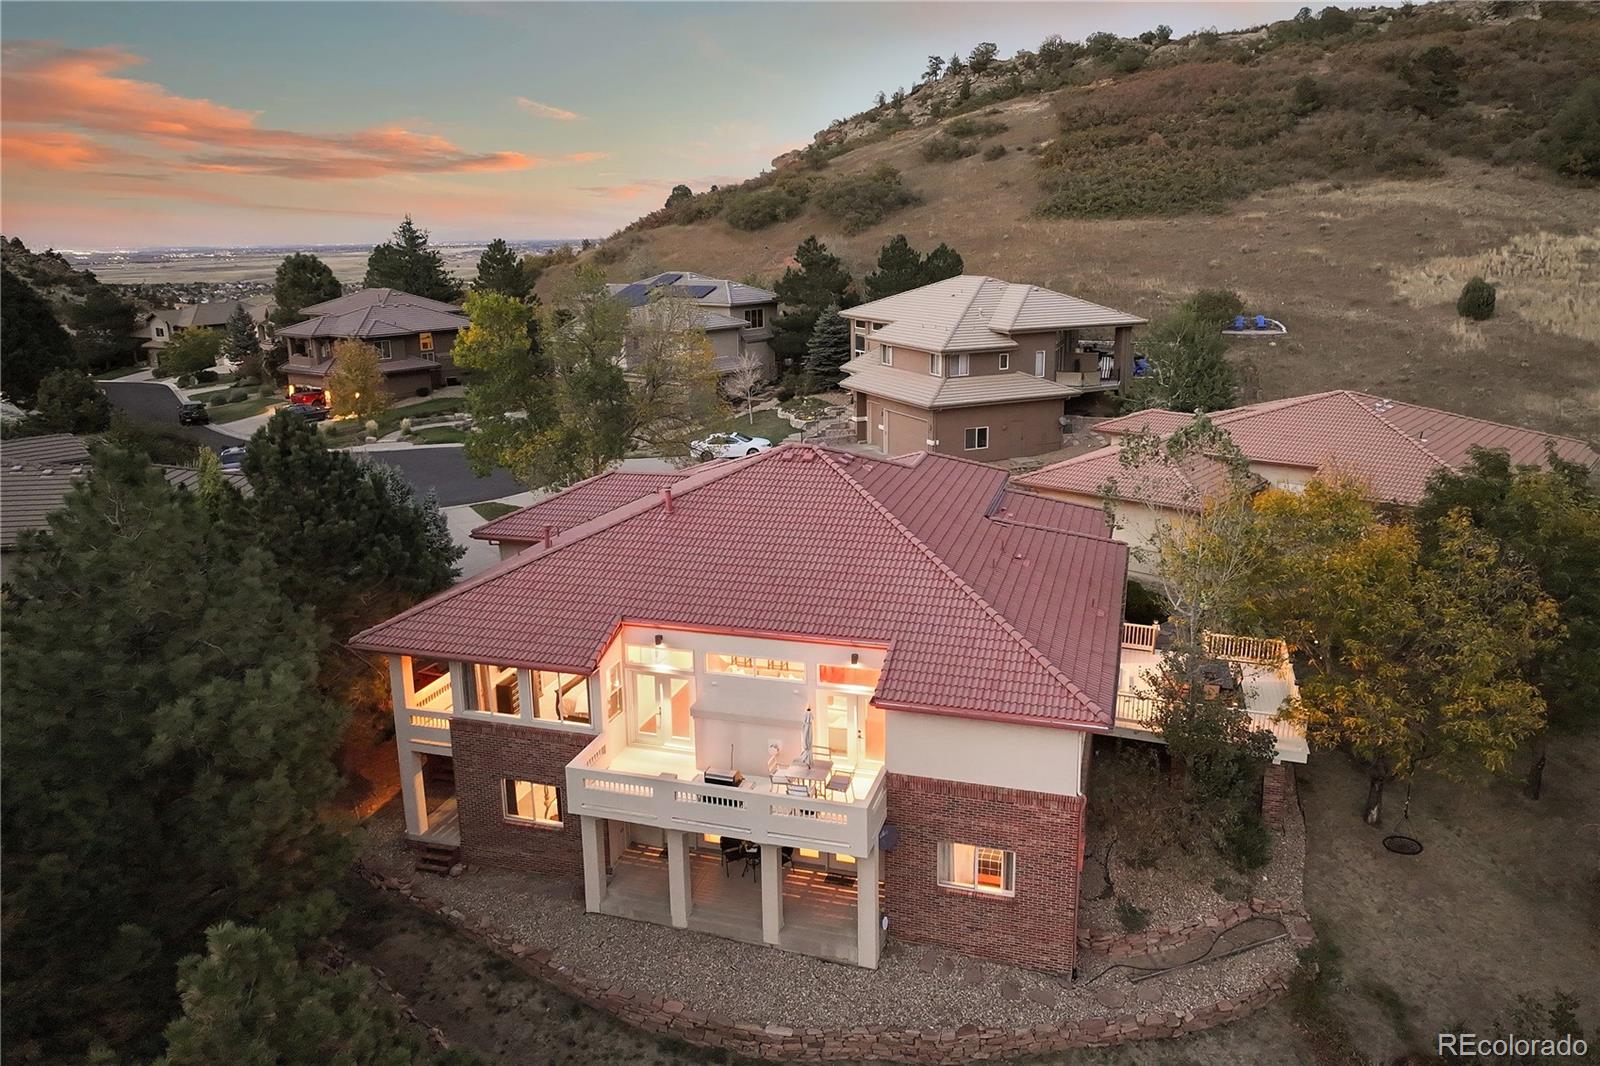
440,470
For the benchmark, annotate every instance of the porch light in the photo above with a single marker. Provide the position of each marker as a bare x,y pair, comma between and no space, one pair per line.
855,658
659,640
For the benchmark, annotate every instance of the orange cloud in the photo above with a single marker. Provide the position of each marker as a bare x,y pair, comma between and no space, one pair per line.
560,114
47,84
56,151
585,157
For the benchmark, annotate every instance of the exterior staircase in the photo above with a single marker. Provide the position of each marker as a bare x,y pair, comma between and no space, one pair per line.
433,858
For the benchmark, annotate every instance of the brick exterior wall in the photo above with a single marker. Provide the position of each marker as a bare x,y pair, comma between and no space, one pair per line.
487,752
1038,926
1277,785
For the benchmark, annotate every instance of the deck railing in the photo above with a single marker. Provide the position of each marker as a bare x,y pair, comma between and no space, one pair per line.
425,720
749,813
1135,635
1245,649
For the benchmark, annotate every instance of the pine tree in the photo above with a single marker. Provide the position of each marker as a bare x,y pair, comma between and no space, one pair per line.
102,329
1189,368
32,342
821,279
239,337
941,264
69,402
300,281
499,270
827,349
168,760
899,269
408,264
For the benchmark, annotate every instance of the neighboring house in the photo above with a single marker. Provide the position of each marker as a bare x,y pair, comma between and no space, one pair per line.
737,318
979,367
157,328
884,699
36,473
1393,447
413,335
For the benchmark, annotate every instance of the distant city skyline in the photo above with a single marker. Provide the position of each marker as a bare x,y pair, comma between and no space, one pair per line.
134,125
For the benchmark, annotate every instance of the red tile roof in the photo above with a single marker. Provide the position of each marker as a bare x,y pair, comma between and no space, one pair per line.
575,505
1181,488
1396,447
991,603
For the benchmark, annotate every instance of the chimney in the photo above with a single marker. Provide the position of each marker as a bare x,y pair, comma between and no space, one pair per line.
666,499
549,535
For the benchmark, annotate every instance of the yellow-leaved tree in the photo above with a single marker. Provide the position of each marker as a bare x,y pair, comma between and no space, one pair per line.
1415,658
355,384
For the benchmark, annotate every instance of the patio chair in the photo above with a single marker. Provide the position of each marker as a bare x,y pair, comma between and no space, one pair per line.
842,779
1238,322
734,850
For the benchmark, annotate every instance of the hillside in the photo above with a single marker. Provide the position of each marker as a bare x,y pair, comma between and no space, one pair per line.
1345,178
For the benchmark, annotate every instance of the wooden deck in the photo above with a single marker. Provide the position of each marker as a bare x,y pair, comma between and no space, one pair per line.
819,909
444,824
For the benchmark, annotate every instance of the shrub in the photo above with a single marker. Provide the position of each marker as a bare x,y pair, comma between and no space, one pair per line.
1574,146
163,443
1244,842
972,127
993,152
206,377
1476,300
858,202
1132,917
1219,306
763,207
943,148
69,402
423,390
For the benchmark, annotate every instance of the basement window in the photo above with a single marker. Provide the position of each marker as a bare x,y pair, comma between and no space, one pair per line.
978,869
531,802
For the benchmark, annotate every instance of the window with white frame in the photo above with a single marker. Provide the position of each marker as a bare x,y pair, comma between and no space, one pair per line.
977,438
531,802
1005,360
936,364
613,691
977,868
385,349
860,339
160,332
755,317
886,355
960,365
492,689
1038,364
755,666
561,697
425,341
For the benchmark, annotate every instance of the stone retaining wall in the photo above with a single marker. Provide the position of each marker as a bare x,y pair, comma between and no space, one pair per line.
931,1047
1175,934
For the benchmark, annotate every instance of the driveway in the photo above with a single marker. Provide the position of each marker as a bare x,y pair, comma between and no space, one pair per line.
440,469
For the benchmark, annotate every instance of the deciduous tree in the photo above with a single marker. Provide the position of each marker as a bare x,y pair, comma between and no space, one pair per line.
168,759
407,263
510,382
584,333
32,342
189,352
1189,369
673,375
1550,520
355,384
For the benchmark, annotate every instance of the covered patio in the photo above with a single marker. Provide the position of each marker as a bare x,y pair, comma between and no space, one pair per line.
817,910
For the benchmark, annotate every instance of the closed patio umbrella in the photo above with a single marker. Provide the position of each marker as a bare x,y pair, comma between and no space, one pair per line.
805,739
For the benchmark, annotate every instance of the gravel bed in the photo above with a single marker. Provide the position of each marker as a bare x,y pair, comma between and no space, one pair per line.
914,987
1179,887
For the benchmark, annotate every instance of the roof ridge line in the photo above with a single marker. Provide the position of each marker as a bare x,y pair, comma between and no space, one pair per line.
476,530
945,568
1475,418
949,334
1351,396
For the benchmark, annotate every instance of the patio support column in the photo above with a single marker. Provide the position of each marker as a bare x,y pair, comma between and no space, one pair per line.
867,911
413,792
594,865
1122,349
678,878
771,893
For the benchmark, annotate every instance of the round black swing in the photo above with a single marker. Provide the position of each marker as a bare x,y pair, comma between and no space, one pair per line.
1402,843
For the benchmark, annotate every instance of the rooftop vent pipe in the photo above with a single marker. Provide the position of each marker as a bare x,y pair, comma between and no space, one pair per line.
666,499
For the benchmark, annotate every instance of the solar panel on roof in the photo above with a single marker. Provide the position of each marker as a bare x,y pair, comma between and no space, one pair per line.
635,295
667,279
697,291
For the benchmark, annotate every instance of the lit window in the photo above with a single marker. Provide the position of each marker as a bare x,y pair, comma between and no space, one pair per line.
613,691
561,697
527,801
661,656
936,364
960,367
860,676
886,355
493,689
755,666
425,340
977,438
1005,360
978,869
428,683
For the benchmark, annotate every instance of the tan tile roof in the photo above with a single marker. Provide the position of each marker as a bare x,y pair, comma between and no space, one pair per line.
866,374
976,313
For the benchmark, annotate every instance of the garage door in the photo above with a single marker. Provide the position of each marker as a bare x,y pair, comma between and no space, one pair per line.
905,433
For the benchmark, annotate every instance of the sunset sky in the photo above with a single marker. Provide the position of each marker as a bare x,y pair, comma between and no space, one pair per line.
149,124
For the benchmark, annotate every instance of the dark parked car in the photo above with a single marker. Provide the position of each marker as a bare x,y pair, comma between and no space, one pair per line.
192,413
311,412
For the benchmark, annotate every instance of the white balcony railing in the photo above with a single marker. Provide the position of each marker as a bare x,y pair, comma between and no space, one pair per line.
1135,635
425,720
755,814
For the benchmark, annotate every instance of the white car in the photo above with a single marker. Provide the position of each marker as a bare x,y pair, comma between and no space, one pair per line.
728,446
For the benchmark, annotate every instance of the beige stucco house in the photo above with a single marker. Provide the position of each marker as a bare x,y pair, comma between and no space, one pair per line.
737,318
979,367
413,335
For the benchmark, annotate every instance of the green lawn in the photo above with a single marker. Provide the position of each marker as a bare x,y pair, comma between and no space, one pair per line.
494,509
119,372
389,421
232,412
768,424
440,435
